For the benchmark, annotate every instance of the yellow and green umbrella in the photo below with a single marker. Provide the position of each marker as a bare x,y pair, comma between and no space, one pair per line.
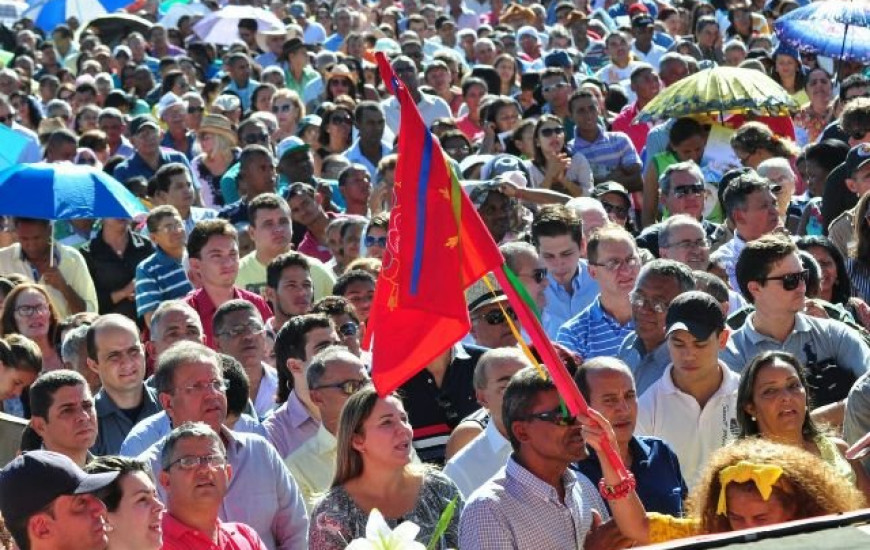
719,91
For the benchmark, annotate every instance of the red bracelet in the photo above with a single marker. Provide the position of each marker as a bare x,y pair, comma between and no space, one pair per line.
618,491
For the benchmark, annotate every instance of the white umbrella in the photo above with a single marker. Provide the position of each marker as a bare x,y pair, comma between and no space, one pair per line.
222,27
177,11
11,11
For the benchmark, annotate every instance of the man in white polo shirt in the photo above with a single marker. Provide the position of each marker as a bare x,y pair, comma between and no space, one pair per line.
693,405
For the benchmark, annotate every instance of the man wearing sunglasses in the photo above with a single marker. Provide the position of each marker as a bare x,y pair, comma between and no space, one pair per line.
773,279
333,375
855,124
682,192
489,310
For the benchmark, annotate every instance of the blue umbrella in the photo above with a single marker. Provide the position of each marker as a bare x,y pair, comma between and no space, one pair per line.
13,146
64,192
47,14
840,30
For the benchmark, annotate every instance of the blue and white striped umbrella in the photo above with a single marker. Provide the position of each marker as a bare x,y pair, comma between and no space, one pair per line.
47,14
831,29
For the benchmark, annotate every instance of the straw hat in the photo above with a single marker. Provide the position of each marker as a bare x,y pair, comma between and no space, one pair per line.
220,125
341,70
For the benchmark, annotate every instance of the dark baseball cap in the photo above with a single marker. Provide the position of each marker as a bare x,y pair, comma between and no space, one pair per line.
642,20
142,121
697,312
858,156
558,59
33,480
610,187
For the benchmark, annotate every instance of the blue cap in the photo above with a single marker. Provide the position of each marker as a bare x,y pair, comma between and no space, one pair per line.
558,58
785,49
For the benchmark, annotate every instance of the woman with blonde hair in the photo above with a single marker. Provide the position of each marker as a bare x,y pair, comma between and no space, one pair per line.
219,143
289,110
374,470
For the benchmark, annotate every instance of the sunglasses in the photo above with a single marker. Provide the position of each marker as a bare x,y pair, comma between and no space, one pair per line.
251,139
195,110
610,208
791,281
348,329
341,120
497,317
539,275
554,87
375,241
348,387
558,417
685,190
549,132
286,108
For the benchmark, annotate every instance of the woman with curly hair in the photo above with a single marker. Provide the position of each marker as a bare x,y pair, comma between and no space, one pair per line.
754,143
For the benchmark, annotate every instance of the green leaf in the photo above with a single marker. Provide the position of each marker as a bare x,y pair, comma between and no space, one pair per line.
443,523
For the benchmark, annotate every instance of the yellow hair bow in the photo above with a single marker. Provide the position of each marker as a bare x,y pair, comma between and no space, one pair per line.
764,476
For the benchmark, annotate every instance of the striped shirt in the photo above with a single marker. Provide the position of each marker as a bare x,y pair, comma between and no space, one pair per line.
159,277
594,332
859,275
609,151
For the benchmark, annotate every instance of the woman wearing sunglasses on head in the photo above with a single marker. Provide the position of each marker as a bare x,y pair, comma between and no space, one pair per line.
552,166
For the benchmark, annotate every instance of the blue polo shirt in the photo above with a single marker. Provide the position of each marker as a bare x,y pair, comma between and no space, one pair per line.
136,166
646,366
594,333
562,306
159,277
656,468
115,423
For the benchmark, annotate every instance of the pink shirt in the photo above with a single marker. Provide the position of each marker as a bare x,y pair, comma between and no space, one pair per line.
202,303
230,536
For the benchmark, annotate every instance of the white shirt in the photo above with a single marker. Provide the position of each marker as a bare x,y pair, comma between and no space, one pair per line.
265,400
653,57
478,461
667,412
431,108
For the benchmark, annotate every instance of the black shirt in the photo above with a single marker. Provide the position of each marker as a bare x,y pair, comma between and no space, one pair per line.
111,272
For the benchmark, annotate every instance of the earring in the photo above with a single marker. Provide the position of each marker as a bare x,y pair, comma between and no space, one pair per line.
753,418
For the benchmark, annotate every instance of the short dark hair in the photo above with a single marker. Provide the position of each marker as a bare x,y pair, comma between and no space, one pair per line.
238,384
669,268
555,220
265,201
43,389
857,80
756,259
231,306
349,277
739,189
346,172
335,305
112,493
163,177
290,344
365,106
711,284
582,93
281,262
158,214
519,398
206,229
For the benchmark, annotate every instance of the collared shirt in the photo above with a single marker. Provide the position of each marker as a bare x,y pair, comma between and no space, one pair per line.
727,255
562,306
594,332
842,230
252,276
236,212
111,272
646,367
192,149
159,277
149,431
261,492
660,484
834,355
478,461
516,509
431,108
355,155
114,424
333,42
206,308
230,536
71,265
609,151
434,411
290,425
313,465
125,149
136,165
308,75
266,59
653,56
265,400
693,432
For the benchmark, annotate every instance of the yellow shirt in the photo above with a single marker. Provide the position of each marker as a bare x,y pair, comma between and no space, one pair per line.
313,465
664,528
252,276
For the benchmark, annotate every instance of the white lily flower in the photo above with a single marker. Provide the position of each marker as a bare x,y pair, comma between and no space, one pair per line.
379,536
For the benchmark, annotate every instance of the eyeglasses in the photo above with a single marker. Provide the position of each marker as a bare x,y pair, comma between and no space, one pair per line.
538,275
241,330
554,87
348,329
497,317
461,150
375,241
286,108
615,209
193,462
195,110
558,417
689,244
616,264
348,387
642,302
775,188
170,228
684,190
341,120
202,387
791,281
555,130
30,311
251,139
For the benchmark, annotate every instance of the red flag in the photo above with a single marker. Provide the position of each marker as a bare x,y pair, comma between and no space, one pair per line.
437,246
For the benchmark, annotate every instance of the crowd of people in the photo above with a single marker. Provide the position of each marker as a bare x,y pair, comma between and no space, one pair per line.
196,377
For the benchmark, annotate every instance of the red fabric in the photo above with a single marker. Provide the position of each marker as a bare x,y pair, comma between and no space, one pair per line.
230,536
781,126
200,301
434,224
637,133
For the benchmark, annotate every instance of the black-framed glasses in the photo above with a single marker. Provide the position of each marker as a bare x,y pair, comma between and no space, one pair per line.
615,209
790,281
341,120
497,317
30,311
375,241
348,387
558,416
193,110
193,462
685,190
348,329
555,130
